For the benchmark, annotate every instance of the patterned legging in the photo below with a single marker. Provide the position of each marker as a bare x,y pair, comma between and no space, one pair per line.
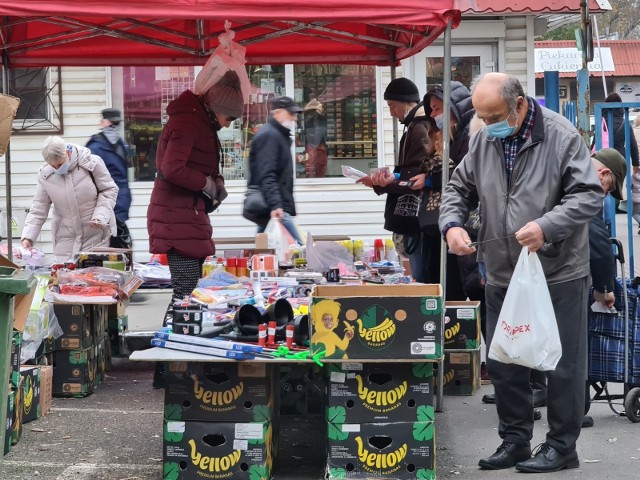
185,272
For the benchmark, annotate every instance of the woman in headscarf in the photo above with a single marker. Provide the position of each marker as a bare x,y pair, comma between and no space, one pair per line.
189,184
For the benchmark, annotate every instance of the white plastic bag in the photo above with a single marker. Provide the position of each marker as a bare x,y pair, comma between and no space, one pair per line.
279,239
229,55
527,332
322,256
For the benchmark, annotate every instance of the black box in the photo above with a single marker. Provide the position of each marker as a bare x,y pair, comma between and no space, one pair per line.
99,322
16,423
401,322
118,326
16,351
377,392
402,450
74,372
76,323
191,328
461,372
9,424
218,450
30,392
220,392
462,325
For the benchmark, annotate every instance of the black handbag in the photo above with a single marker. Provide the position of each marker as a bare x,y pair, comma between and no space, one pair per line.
122,238
401,209
255,208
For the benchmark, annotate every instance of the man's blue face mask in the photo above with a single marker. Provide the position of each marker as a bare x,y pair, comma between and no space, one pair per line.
502,129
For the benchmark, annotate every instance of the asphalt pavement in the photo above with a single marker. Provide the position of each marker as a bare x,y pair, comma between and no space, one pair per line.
116,432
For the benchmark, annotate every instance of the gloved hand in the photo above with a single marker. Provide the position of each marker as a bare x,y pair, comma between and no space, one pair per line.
221,192
210,187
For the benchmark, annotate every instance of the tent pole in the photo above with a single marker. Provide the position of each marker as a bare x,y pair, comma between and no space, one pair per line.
7,169
446,127
395,124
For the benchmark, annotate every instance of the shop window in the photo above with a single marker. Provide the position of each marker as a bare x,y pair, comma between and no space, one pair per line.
463,70
40,94
147,91
338,125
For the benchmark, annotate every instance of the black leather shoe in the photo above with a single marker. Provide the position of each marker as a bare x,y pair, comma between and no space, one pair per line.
539,397
506,456
587,421
489,398
548,459
537,414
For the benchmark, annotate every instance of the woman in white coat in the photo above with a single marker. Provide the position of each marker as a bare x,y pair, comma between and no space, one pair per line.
83,195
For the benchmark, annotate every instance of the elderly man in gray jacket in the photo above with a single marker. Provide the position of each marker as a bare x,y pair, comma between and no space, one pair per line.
532,173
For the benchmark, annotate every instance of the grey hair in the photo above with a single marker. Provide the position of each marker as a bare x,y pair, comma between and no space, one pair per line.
510,91
54,149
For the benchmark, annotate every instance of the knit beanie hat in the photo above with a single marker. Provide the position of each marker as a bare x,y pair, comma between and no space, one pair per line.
225,96
402,90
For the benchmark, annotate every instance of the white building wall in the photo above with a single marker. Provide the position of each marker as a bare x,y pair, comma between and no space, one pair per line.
84,95
517,43
333,206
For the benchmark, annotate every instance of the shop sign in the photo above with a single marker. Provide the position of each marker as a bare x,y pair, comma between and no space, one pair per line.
570,60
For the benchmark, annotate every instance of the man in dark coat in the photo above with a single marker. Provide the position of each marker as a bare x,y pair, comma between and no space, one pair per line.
109,146
271,164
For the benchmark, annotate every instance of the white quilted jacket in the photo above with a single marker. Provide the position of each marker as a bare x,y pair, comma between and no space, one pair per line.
77,199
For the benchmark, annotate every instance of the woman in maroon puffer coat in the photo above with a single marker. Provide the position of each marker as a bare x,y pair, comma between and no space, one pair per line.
188,183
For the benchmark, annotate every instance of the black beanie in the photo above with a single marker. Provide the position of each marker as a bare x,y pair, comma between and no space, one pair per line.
402,90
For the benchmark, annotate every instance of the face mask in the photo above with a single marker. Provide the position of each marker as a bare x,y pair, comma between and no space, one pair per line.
439,119
63,169
501,129
291,125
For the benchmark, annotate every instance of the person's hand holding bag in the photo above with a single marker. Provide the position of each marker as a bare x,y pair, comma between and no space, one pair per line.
221,191
210,187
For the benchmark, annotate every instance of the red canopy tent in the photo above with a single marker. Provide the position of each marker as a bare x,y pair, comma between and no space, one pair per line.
42,33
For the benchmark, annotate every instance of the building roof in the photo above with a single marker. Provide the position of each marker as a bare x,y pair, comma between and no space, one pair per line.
505,7
625,54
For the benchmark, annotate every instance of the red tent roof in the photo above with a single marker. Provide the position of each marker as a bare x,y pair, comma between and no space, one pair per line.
539,6
184,32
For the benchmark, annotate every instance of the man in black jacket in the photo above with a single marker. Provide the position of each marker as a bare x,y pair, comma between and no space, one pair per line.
271,164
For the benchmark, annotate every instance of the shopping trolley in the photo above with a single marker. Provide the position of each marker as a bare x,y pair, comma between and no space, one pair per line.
614,347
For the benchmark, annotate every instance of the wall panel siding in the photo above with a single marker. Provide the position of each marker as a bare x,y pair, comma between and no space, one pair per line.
516,43
84,92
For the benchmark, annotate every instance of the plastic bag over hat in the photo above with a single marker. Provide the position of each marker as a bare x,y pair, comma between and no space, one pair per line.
229,55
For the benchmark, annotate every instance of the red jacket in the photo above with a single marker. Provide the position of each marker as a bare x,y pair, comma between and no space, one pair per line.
188,152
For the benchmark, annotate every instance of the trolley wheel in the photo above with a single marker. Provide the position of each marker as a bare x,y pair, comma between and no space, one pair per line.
632,405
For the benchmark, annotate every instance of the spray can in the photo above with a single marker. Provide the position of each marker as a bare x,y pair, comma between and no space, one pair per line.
289,335
262,334
390,250
271,333
378,250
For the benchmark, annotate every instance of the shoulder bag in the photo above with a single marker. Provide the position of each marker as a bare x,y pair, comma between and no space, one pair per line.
401,209
255,208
